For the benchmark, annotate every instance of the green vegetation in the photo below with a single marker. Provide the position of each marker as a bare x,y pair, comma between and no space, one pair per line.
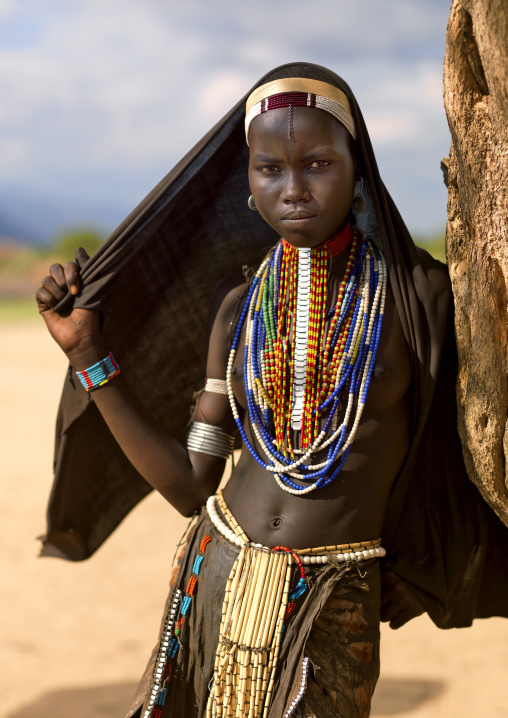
435,245
18,258
66,243
22,267
17,310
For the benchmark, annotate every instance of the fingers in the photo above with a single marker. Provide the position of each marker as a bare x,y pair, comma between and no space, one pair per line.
66,279
53,289
399,604
397,615
395,594
389,611
72,270
57,274
55,286
72,279
81,257
45,299
394,588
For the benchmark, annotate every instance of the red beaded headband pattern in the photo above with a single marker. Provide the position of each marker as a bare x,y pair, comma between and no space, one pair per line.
303,92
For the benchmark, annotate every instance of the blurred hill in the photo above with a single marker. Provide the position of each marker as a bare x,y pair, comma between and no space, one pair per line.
32,216
23,264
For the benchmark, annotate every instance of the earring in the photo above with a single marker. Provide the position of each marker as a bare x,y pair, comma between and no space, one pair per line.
252,204
359,203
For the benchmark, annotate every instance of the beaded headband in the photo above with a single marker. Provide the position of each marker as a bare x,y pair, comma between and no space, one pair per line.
299,91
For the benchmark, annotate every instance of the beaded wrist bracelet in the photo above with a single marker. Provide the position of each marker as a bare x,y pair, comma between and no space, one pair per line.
99,374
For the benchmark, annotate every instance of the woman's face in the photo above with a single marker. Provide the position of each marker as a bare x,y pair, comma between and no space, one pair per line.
302,184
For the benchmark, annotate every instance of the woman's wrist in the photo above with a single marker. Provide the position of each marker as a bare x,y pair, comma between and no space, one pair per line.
84,357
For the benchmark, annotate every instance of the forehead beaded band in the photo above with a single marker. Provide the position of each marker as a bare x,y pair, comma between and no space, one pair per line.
302,92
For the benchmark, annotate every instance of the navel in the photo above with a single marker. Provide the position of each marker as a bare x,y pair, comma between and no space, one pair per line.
276,523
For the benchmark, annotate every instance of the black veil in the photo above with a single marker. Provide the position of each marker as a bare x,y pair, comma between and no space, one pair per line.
154,279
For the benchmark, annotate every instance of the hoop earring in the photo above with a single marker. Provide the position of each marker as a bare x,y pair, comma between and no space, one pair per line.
252,204
359,203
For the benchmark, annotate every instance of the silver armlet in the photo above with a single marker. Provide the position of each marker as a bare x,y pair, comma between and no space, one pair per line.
208,439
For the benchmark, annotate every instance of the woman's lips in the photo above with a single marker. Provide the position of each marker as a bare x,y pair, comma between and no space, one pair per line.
298,219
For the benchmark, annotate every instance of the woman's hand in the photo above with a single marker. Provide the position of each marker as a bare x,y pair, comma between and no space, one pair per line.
76,332
398,602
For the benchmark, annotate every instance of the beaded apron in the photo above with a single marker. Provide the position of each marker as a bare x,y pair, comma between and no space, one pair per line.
262,616
182,671
258,602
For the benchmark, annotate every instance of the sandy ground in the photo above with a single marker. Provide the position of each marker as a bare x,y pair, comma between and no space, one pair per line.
74,638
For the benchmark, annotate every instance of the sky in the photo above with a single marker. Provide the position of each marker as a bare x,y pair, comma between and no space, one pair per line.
100,98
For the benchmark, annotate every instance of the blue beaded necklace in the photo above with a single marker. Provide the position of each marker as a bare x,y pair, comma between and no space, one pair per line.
355,339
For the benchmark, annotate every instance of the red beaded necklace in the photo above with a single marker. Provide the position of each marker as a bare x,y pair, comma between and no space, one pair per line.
322,359
343,239
336,244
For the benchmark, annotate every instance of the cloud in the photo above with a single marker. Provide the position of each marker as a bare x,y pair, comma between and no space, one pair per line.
99,68
93,88
5,7
220,93
15,153
408,109
293,28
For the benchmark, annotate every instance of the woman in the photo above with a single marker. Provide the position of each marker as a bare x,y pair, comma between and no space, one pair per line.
329,379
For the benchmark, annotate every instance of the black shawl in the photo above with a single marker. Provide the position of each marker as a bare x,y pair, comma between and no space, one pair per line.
154,278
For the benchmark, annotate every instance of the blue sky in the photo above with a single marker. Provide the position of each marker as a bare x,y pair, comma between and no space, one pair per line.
100,98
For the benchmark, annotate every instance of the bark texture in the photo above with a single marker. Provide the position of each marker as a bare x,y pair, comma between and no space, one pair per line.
476,103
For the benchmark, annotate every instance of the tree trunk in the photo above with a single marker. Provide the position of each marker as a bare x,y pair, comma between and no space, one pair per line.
476,103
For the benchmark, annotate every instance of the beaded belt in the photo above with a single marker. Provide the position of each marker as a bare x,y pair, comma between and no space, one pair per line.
258,601
344,553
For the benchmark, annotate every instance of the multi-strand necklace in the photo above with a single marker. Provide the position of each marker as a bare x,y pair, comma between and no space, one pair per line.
301,365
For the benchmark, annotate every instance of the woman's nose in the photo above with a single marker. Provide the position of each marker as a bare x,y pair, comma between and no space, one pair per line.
295,188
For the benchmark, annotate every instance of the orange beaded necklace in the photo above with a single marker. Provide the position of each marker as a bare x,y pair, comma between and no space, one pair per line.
320,368
302,365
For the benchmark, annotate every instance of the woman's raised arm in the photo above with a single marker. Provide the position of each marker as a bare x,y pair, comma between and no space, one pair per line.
184,479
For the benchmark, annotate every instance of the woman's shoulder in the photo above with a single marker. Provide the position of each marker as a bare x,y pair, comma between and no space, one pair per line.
232,301
435,270
226,307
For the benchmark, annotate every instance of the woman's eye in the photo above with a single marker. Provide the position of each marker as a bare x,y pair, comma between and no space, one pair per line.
270,168
319,163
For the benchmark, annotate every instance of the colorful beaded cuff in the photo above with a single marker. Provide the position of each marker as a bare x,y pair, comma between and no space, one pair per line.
99,374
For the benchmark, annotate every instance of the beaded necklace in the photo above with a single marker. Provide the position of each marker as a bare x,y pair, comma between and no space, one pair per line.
296,371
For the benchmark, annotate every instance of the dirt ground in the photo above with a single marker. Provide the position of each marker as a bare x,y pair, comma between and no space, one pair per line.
74,637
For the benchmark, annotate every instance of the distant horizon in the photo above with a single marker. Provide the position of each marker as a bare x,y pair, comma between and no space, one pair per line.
104,232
